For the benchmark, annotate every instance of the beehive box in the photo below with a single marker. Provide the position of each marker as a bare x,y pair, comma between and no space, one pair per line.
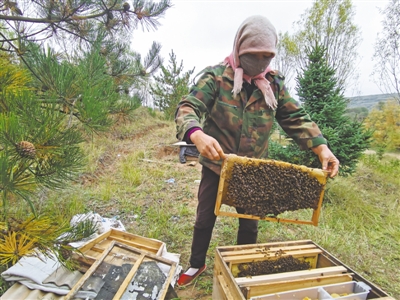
131,259
265,189
324,270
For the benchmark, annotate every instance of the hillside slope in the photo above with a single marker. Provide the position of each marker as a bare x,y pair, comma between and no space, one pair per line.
369,101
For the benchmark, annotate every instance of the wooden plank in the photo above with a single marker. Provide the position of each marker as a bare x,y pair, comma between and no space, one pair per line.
129,277
170,276
160,259
102,241
217,291
324,261
224,249
268,250
236,259
137,239
220,269
242,281
148,254
219,212
144,246
118,253
225,288
83,259
89,272
283,286
316,212
277,254
92,254
96,240
312,261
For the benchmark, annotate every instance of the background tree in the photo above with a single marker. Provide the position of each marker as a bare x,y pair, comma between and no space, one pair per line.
330,24
387,51
170,86
385,123
285,59
323,99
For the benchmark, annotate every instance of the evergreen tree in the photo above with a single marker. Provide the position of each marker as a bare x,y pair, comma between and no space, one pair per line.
170,86
323,99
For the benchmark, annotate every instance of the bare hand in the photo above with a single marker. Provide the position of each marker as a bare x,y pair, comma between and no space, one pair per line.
207,145
329,161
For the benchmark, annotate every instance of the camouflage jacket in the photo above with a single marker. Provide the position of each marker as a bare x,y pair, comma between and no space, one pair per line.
242,126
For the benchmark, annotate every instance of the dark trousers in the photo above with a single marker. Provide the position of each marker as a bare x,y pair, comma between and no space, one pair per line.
205,220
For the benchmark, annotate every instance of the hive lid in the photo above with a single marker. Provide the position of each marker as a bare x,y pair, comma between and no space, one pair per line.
270,187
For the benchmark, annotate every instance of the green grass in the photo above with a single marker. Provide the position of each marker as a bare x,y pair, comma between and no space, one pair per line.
126,178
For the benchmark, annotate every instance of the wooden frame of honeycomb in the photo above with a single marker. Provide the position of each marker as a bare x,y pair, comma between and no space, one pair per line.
263,189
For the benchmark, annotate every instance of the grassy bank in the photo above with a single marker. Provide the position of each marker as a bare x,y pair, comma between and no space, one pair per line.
128,177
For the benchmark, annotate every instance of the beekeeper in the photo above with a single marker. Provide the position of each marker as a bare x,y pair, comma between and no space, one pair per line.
231,110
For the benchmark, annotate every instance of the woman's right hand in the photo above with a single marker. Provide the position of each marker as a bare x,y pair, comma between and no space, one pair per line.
207,145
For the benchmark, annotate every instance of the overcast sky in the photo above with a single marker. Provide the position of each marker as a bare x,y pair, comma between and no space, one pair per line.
201,32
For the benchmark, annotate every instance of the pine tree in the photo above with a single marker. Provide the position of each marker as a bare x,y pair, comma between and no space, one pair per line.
51,101
73,22
323,99
170,86
37,149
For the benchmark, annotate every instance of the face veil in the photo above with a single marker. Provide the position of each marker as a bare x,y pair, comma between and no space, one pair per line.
252,65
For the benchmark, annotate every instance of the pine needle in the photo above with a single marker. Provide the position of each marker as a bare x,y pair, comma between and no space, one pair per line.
13,246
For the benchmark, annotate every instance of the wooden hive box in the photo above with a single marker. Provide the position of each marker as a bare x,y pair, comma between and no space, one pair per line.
95,247
324,270
271,187
125,272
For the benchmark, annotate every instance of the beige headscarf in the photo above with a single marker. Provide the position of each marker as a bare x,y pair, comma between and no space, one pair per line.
256,34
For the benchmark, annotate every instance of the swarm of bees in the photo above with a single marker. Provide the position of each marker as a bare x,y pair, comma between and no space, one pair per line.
272,266
270,189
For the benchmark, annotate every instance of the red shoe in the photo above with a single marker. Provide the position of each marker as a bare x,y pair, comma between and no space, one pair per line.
185,279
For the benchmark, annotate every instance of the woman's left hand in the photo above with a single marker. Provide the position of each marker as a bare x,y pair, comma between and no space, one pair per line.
329,161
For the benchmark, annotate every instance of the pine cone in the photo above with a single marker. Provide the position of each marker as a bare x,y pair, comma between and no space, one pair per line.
26,149
126,6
